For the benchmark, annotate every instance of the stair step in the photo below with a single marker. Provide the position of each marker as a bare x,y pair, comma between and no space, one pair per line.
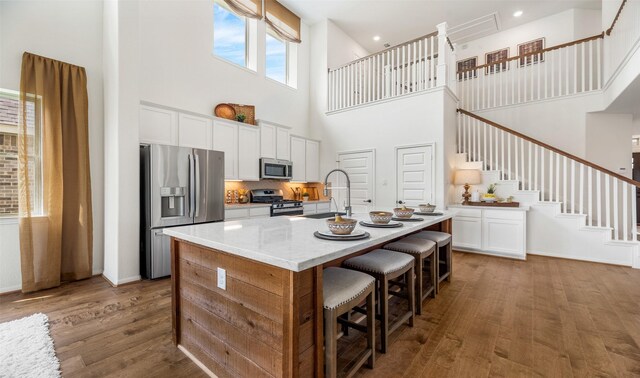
596,228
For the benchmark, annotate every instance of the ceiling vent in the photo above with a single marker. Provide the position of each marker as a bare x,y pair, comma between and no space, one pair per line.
478,28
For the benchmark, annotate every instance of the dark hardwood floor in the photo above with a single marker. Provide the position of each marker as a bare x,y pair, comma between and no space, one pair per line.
543,317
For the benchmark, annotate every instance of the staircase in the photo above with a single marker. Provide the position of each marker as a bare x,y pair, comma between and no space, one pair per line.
578,210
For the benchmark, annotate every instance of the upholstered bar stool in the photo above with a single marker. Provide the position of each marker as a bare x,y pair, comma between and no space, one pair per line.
443,257
344,289
386,266
422,250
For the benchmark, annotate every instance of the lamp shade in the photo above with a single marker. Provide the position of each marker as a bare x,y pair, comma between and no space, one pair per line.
468,176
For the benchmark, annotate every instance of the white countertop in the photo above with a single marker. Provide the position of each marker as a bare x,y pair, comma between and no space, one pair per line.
288,242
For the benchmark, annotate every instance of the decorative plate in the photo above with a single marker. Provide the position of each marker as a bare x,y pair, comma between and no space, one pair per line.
225,111
327,235
381,225
408,219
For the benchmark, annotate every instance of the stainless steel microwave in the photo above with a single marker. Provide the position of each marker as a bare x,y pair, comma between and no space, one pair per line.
276,169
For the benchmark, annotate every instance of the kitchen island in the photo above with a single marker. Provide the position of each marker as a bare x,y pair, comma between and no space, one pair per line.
247,294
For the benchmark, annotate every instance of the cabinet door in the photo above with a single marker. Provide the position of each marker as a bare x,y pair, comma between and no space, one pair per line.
249,153
283,144
225,139
504,232
268,141
467,232
298,157
312,156
194,131
230,214
158,125
309,208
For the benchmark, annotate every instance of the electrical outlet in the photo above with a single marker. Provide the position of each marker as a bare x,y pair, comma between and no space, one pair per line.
222,279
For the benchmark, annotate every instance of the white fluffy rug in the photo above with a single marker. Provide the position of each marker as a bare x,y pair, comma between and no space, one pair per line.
26,349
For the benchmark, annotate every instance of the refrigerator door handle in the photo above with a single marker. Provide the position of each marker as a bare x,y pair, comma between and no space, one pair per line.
197,184
192,180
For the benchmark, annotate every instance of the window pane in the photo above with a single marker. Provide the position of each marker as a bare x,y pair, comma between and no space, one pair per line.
9,123
229,35
276,59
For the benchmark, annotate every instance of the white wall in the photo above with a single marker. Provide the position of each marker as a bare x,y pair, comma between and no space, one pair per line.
342,48
559,28
70,31
179,70
608,141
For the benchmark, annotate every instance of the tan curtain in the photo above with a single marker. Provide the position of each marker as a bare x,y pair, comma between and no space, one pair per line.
56,245
282,21
247,8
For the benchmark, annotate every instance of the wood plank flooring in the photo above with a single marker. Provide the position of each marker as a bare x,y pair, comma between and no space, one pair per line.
543,317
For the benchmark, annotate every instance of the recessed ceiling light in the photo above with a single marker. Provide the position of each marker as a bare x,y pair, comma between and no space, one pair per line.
376,38
517,13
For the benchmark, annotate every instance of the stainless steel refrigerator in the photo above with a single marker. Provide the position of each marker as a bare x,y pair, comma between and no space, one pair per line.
178,186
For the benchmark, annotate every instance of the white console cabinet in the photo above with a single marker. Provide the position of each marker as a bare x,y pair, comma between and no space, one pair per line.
490,230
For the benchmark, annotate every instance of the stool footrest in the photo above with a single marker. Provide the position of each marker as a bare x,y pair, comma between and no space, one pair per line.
350,324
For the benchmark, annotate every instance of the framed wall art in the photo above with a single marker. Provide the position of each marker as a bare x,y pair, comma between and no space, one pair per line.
466,65
494,57
531,47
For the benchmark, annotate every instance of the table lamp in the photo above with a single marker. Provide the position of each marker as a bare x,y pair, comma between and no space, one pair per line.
467,177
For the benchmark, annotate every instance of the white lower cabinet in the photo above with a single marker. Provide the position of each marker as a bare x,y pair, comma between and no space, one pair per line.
316,208
245,213
495,231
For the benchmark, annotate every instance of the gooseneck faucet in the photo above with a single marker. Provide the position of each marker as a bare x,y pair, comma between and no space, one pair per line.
326,190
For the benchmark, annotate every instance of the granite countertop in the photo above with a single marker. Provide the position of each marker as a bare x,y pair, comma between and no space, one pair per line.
288,242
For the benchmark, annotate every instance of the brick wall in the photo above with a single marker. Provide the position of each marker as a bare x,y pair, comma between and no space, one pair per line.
8,173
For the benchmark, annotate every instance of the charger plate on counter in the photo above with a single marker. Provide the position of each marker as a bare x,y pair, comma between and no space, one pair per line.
434,214
327,235
408,219
381,225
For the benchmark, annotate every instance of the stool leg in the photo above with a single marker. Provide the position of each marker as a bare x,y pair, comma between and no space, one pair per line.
411,285
418,285
371,328
436,257
433,274
449,261
384,313
330,344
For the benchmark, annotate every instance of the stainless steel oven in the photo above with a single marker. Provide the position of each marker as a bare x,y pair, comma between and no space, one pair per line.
276,169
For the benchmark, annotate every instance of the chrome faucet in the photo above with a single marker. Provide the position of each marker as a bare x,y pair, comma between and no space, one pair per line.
326,189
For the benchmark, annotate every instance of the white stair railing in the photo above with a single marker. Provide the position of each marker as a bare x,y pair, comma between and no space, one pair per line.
414,66
561,70
621,37
606,199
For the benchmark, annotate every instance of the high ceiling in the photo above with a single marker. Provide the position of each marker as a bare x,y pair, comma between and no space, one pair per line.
396,21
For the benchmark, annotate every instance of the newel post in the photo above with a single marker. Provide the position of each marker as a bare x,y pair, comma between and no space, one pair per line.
442,55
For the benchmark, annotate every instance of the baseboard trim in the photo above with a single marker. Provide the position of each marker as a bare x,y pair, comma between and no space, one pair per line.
197,362
487,253
576,258
124,281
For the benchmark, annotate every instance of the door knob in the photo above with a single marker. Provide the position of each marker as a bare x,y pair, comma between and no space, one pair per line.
367,200
400,202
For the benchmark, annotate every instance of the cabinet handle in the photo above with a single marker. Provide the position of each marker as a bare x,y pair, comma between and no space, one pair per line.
400,202
367,200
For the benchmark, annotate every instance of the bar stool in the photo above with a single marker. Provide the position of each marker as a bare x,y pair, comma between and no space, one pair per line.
385,266
422,250
342,290
443,257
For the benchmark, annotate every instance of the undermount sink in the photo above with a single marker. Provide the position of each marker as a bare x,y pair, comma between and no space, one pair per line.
322,215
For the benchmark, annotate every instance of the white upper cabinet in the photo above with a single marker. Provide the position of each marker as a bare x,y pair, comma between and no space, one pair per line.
299,158
195,131
267,140
312,157
283,144
249,153
274,141
225,139
305,155
158,125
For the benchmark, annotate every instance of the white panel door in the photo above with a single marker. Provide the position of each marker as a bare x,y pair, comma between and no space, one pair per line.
194,131
361,169
299,159
415,175
225,139
312,157
249,153
283,143
267,141
158,125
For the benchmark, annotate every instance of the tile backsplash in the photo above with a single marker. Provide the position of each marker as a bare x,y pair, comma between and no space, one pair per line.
286,187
